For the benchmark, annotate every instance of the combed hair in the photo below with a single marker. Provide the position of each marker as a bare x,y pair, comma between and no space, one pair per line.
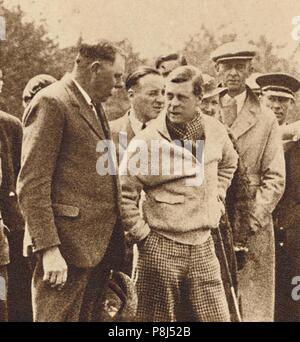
134,77
185,74
102,49
171,57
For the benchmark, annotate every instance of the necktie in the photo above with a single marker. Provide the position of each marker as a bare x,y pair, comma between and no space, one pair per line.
143,126
229,112
103,120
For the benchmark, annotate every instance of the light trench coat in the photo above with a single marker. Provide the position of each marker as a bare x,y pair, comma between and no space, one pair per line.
258,141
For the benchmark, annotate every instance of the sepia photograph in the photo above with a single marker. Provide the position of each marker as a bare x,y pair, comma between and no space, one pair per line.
150,162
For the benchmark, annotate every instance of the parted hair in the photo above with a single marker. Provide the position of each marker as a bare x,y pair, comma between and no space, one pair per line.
188,73
134,77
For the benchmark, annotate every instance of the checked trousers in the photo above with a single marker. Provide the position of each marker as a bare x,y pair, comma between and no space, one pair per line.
179,282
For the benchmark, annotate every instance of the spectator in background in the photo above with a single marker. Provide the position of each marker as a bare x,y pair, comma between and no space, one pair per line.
261,184
278,93
34,85
145,92
18,297
210,104
167,63
2,102
144,88
4,261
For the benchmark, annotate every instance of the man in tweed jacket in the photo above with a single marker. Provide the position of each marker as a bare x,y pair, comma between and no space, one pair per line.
177,261
71,212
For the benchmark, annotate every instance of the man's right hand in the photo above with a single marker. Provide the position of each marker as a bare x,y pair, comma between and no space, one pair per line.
55,268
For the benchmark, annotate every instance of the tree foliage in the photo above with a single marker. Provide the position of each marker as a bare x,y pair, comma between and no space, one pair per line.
28,51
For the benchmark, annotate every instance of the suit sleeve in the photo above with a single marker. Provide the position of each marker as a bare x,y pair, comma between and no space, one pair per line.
226,167
272,177
42,136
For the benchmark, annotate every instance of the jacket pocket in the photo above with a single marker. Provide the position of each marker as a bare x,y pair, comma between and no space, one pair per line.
168,198
65,210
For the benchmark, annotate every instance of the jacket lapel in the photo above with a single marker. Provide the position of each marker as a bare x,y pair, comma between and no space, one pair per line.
246,119
84,109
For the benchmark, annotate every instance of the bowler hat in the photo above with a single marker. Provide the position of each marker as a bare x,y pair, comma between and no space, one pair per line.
210,87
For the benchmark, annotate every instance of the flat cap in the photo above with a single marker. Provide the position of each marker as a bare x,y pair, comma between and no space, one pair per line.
233,50
210,87
279,84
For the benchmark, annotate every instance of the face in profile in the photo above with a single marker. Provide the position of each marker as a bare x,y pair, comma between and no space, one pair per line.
181,102
147,97
106,76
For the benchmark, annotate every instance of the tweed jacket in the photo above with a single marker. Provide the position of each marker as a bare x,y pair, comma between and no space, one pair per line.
64,200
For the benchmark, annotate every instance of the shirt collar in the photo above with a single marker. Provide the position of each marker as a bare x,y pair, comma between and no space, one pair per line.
136,124
84,93
240,100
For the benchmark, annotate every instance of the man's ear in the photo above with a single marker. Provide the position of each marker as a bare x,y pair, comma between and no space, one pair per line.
217,67
250,68
292,104
97,65
130,93
261,99
200,98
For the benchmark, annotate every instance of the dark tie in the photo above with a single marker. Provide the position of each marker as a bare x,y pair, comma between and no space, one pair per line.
143,126
103,119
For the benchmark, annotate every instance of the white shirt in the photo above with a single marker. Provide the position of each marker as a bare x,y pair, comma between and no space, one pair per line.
86,97
136,124
240,100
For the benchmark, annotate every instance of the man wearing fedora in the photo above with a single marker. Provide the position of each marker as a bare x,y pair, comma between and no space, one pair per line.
165,64
210,104
278,93
260,183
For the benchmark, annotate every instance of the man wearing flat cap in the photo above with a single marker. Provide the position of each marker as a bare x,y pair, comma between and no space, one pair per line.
278,92
258,184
